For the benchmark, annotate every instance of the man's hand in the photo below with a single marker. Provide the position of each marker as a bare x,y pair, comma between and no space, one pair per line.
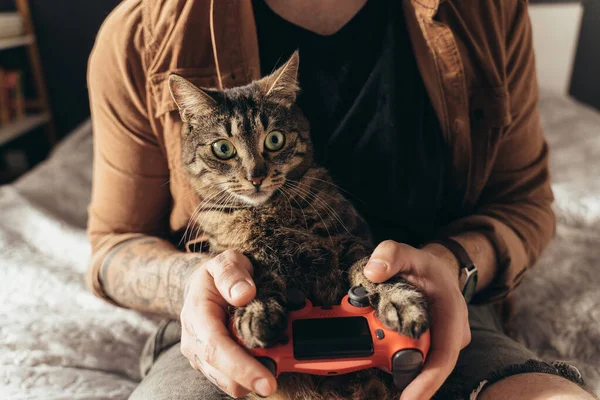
205,340
435,272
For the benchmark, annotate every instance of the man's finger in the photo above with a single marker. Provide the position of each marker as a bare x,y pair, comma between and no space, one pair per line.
231,272
214,346
446,342
227,385
390,258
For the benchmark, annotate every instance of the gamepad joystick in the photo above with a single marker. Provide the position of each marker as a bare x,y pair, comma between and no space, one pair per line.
358,296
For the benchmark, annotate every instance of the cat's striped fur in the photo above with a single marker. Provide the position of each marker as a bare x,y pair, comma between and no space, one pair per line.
297,228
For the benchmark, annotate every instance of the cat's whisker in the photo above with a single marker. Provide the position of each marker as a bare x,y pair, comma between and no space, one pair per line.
329,196
196,226
193,194
309,202
328,208
317,212
318,198
189,224
335,186
309,196
223,205
219,210
270,248
204,225
206,196
194,220
200,226
288,200
197,210
299,206
331,211
216,204
210,198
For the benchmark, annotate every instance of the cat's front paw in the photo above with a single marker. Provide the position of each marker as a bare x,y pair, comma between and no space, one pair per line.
261,323
403,308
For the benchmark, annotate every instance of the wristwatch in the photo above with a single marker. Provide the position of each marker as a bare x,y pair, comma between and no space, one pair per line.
467,276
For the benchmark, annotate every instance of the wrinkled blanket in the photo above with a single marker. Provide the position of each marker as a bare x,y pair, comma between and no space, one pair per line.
59,342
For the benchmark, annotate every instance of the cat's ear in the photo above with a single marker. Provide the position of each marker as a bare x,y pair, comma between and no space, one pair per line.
282,85
190,99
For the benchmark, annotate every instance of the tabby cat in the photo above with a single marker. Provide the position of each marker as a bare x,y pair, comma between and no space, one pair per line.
249,157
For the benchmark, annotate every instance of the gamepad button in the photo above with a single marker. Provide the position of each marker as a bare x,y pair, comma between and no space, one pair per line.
380,334
295,300
406,365
358,296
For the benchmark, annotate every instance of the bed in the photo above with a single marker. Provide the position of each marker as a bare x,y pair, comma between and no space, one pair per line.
57,341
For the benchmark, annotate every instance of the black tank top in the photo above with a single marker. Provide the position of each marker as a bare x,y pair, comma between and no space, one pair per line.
372,123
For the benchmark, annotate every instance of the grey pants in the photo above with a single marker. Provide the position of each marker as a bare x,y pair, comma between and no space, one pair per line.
489,357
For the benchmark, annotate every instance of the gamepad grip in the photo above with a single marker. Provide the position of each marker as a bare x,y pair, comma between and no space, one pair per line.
399,355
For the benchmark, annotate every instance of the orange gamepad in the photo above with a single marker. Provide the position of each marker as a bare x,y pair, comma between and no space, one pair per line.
332,340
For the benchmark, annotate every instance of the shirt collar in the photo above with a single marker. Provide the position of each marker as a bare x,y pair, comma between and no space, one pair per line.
426,8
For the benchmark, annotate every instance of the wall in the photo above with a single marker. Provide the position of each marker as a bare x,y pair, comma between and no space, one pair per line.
66,31
555,37
585,85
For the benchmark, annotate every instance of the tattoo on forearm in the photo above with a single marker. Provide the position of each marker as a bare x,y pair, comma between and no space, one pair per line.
147,274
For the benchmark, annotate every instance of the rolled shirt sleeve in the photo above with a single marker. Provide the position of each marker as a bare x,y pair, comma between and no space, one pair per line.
130,191
515,207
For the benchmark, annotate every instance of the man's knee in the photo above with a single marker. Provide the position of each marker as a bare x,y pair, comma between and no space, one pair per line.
534,386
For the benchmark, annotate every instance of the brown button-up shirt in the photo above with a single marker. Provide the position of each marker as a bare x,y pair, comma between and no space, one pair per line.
477,62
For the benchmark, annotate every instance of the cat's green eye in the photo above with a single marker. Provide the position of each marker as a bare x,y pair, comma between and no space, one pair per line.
274,141
223,149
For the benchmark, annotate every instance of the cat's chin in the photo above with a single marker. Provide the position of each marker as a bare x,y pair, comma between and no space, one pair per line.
255,198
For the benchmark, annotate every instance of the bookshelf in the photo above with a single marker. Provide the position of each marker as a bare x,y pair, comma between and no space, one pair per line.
9,43
22,125
38,113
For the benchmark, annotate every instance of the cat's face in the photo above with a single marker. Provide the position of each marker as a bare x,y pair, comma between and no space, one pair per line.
242,144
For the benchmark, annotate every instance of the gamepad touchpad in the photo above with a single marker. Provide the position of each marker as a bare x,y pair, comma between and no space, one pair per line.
326,338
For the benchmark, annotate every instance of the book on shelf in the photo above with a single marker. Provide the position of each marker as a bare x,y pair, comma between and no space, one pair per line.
3,100
11,25
12,102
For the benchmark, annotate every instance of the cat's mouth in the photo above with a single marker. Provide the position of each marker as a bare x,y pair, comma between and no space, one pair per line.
256,196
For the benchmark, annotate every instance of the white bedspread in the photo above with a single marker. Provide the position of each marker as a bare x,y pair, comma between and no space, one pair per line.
56,340
59,342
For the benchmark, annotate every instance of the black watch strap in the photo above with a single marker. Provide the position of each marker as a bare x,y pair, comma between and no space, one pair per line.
467,274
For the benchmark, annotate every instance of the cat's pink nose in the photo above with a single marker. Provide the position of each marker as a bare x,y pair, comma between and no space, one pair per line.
257,180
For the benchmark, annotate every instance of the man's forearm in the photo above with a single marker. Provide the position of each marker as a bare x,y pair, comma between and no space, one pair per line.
148,274
481,251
